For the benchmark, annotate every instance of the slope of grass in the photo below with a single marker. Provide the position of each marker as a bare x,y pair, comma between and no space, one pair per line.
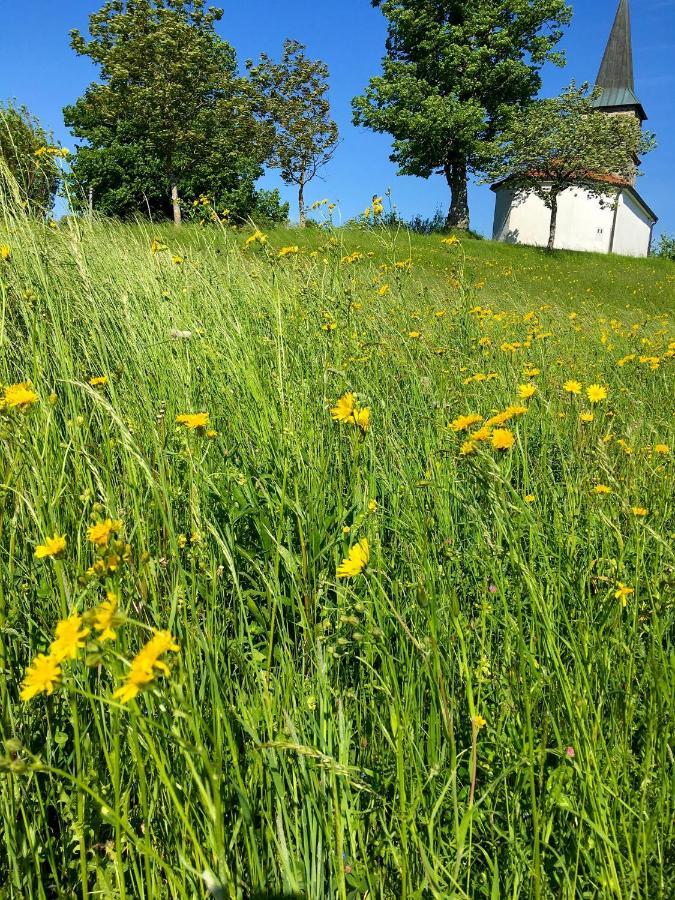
486,710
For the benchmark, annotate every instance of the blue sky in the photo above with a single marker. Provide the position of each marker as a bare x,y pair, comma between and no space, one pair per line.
38,68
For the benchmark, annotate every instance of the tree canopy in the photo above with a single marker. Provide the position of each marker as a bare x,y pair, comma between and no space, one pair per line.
566,140
291,97
170,116
454,70
28,160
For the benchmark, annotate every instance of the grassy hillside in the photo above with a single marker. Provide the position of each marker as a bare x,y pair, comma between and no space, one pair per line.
482,708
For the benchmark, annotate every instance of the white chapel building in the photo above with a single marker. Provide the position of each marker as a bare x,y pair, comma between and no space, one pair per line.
622,222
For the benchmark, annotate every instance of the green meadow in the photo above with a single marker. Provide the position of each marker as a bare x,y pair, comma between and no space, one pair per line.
483,708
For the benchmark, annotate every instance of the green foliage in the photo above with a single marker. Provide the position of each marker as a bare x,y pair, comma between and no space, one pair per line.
313,738
170,112
291,98
566,140
454,69
28,160
666,247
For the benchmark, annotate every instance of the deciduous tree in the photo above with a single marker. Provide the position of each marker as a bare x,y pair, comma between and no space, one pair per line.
453,70
28,160
291,97
567,140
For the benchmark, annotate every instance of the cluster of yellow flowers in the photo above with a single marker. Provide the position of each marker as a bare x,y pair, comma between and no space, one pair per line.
55,152
348,412
490,431
256,238
198,422
18,396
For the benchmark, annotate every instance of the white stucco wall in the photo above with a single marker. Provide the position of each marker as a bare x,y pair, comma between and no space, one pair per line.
584,222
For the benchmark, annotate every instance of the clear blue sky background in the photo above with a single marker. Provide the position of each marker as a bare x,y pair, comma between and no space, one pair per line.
38,68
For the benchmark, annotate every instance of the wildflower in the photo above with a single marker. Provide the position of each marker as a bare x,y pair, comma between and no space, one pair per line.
626,359
146,665
602,489
570,753
69,639
483,434
372,506
640,511
157,246
478,722
53,546
414,334
256,238
622,593
530,498
572,386
461,423
450,241
343,411
287,251
106,618
596,393
503,439
586,416
525,391
514,411
177,260
5,252
42,676
19,396
356,561
98,381
663,449
467,448
193,421
362,418
383,290
99,534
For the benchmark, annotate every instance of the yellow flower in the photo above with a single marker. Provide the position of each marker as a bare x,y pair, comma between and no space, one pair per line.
622,593
602,489
467,448
98,381
356,561
525,391
586,416
5,251
596,393
53,546
372,506
256,238
483,434
640,511
664,449
503,439
384,290
42,676
530,498
69,639
343,411
362,418
99,534
177,260
450,241
19,396
287,251
157,246
572,386
461,423
414,334
193,421
106,618
478,722
146,665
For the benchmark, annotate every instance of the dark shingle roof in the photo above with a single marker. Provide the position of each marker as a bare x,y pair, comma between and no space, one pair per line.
616,77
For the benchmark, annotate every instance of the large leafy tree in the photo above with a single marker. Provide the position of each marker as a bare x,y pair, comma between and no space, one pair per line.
29,168
291,97
170,116
567,141
454,70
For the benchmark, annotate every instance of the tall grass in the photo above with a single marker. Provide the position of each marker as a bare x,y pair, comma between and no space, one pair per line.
321,738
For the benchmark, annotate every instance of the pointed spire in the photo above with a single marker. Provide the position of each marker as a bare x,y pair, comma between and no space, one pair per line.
616,76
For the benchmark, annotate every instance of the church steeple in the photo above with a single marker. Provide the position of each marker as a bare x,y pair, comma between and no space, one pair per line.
616,77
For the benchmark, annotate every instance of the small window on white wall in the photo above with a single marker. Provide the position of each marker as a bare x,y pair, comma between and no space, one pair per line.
601,230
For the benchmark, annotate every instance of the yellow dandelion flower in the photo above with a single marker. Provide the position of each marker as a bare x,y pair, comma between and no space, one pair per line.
530,498
414,334
106,618
42,676
462,423
356,561
372,506
5,252
623,592
640,511
343,411
98,381
288,251
602,489
53,547
478,722
18,396
69,638
467,448
572,386
503,439
362,418
483,434
146,665
157,246
586,416
193,421
596,393
663,449
525,391
100,533
383,290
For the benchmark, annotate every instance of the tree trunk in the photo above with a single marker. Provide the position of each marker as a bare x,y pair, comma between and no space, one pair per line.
301,204
456,176
177,218
554,221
